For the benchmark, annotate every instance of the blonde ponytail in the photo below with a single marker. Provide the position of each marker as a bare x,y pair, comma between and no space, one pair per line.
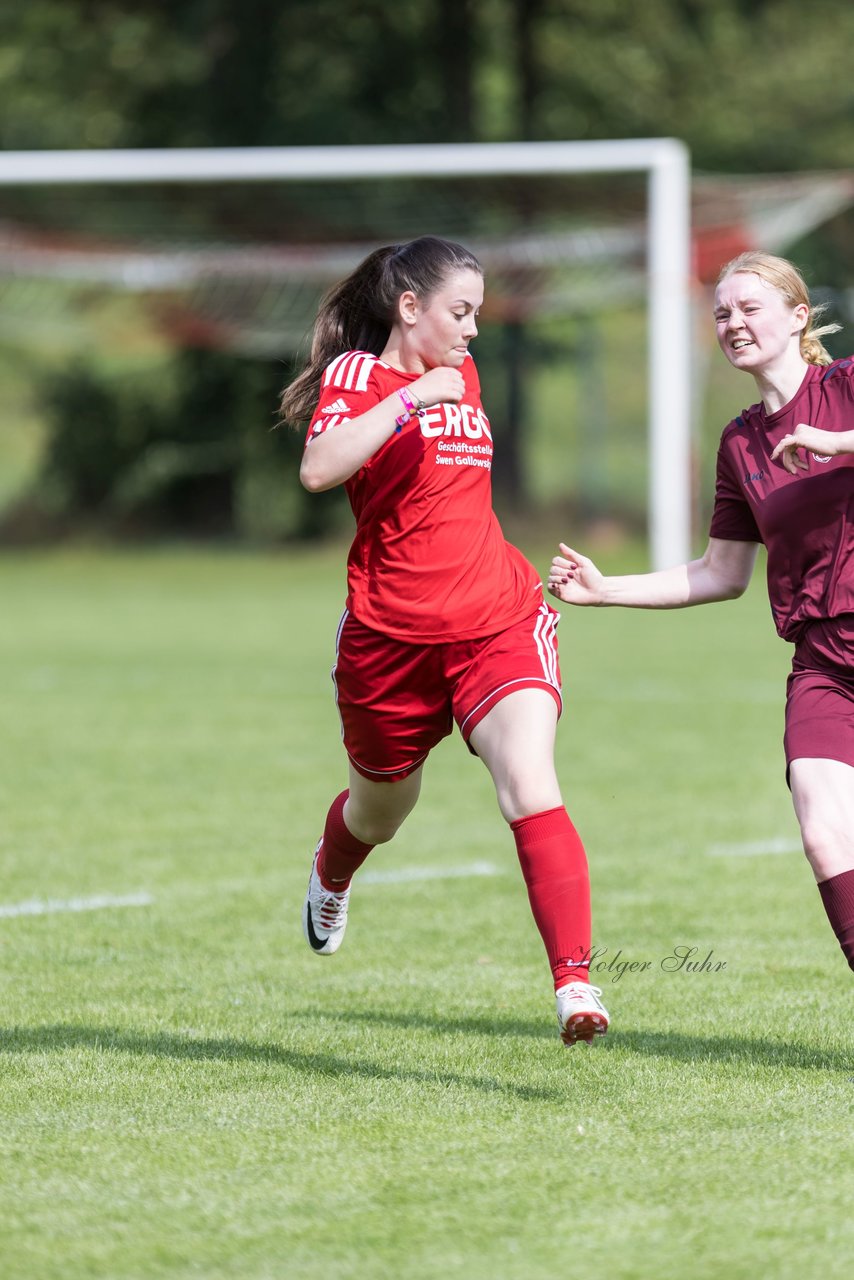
813,349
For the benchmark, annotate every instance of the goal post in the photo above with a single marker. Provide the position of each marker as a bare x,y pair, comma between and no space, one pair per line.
664,161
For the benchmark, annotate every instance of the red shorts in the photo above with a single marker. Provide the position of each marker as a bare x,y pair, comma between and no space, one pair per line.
820,694
398,700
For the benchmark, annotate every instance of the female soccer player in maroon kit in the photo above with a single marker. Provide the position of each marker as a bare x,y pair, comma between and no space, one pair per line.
785,477
444,620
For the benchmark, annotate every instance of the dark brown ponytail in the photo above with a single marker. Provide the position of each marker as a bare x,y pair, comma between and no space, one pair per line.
357,314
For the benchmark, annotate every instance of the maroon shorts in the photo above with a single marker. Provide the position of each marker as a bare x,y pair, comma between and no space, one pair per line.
820,694
398,700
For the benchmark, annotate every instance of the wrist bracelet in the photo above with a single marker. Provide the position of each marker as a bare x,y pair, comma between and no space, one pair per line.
410,406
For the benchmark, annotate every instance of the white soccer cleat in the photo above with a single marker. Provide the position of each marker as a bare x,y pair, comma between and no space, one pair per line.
581,1015
324,916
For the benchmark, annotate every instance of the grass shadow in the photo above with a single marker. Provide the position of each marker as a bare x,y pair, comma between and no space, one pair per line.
675,1045
733,1049
56,1038
672,1045
544,1028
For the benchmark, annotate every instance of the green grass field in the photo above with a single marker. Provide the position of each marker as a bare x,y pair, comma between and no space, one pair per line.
188,1092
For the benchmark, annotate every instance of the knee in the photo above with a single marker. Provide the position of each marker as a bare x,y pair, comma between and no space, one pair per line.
375,830
827,845
373,826
522,797
375,811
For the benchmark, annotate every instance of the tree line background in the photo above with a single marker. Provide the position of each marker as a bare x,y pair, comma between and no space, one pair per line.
752,86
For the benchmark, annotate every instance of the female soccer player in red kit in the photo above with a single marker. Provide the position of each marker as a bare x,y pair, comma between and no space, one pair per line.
785,478
444,620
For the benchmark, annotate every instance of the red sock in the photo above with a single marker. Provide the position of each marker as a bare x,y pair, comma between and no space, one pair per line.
554,865
340,852
837,894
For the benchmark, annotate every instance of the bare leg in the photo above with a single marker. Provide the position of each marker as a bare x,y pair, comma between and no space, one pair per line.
374,811
823,796
516,743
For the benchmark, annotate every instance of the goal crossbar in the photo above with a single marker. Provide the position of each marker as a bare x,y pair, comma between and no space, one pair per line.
665,161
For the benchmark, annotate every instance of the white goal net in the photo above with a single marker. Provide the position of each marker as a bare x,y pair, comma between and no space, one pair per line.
231,249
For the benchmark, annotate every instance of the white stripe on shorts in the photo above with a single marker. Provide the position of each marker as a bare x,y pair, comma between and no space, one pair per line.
387,773
344,616
379,773
545,638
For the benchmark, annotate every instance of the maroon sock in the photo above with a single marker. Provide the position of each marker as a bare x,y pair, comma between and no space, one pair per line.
837,894
554,865
340,852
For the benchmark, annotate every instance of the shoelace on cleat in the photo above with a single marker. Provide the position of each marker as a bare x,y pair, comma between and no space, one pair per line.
331,908
574,996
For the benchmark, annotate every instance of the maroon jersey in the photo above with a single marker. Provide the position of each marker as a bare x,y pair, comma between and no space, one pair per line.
806,521
429,562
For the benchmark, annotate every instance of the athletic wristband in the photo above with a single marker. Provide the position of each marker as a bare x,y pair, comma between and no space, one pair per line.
411,409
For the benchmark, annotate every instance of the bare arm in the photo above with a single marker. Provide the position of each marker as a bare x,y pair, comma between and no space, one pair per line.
722,573
335,455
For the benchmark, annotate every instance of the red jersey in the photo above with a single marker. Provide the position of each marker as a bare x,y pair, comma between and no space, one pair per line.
429,562
806,521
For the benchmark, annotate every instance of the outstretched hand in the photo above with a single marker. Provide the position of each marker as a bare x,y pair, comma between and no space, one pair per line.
574,579
823,444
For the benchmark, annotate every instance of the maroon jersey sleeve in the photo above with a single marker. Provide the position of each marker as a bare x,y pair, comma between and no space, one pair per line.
732,518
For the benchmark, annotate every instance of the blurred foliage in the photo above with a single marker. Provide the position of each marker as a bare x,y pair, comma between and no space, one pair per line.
750,85
759,85
129,458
